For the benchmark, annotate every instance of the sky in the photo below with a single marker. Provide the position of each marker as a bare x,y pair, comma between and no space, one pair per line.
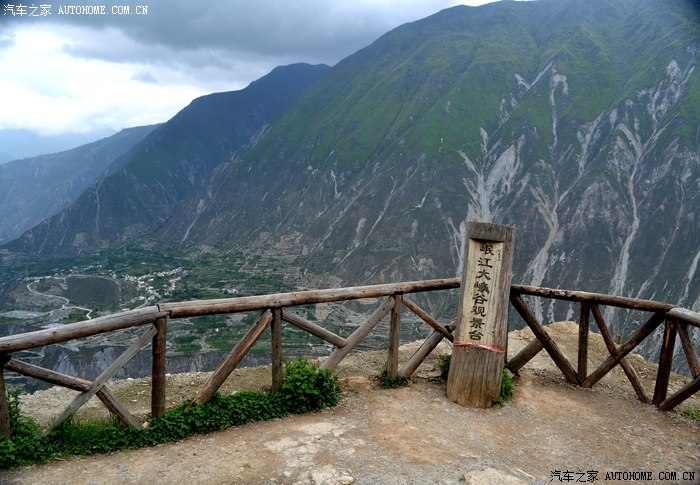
142,61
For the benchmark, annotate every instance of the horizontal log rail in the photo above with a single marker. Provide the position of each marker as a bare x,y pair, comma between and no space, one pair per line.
281,300
600,298
73,331
274,309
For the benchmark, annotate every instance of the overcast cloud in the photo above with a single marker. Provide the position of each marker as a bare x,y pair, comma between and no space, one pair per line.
79,73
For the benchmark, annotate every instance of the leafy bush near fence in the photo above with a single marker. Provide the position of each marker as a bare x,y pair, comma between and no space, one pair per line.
306,388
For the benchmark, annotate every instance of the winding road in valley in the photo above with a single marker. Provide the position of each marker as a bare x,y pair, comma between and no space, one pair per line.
65,301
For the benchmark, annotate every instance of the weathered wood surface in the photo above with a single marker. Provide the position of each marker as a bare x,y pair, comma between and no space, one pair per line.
5,428
624,363
582,367
663,372
217,379
473,374
685,315
684,393
361,332
524,356
279,300
102,379
688,350
47,375
116,408
158,368
313,329
481,335
422,353
600,298
549,345
276,351
642,332
75,383
423,315
72,331
392,366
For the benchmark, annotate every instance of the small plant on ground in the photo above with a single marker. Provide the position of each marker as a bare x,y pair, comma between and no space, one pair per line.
391,382
445,366
506,388
306,388
692,413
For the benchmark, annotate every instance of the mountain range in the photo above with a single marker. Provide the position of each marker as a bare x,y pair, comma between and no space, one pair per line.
33,189
18,144
575,122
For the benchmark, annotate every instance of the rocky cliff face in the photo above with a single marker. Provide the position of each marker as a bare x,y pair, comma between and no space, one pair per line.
575,122
169,166
591,154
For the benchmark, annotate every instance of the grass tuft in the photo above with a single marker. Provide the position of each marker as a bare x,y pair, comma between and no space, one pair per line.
387,382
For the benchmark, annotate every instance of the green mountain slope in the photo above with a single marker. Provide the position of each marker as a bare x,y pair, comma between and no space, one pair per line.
576,122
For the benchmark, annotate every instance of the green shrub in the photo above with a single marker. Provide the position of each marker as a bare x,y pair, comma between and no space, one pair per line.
27,445
306,388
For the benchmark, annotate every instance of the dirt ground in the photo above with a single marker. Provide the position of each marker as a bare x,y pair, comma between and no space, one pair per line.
414,434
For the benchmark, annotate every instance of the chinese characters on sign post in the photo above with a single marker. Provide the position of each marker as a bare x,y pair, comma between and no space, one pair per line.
481,286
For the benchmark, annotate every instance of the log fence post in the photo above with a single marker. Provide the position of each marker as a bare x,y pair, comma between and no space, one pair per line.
665,360
615,357
158,369
524,356
549,345
481,337
423,351
102,379
392,366
687,344
276,335
624,363
583,342
5,428
361,332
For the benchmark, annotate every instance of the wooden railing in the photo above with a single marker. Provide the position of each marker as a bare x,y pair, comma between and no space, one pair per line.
274,309
676,323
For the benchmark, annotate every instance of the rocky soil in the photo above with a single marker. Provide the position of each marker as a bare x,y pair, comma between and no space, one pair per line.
407,435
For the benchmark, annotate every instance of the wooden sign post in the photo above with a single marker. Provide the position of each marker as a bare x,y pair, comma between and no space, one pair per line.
481,336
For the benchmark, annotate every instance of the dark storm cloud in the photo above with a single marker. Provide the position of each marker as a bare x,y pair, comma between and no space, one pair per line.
303,30
142,69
